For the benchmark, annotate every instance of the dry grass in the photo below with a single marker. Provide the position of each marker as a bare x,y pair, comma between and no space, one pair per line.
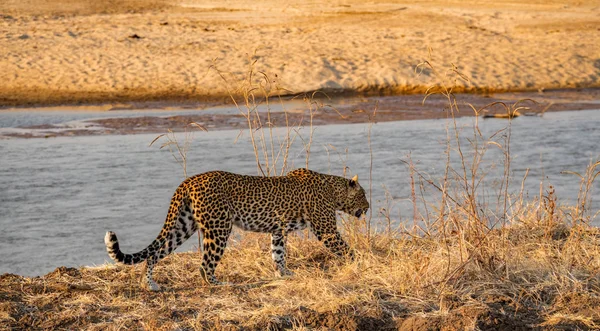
442,281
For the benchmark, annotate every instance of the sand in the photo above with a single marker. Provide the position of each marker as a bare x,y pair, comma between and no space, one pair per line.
80,52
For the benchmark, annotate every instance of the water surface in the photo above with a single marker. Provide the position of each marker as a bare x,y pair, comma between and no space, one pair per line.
59,196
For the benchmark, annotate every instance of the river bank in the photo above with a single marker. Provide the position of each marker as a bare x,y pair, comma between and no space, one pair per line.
291,112
539,274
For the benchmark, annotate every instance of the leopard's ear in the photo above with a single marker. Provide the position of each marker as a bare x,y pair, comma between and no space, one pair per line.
354,181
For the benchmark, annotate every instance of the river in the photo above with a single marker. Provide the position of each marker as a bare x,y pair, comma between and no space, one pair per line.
59,196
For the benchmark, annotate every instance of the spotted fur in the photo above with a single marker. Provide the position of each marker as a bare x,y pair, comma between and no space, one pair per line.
215,201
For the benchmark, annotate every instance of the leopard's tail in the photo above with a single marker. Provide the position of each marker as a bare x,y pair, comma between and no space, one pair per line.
158,245
112,247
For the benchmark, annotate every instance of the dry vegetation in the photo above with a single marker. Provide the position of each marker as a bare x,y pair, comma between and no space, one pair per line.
538,272
463,264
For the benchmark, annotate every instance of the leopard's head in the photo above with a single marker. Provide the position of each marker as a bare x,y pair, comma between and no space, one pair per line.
354,201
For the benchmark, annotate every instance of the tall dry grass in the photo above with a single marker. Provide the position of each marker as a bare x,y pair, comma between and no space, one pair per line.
398,280
259,92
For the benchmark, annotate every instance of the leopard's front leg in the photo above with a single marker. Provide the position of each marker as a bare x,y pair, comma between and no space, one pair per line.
324,227
278,253
334,242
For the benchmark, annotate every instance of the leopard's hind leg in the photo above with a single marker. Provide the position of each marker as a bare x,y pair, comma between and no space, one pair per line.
216,227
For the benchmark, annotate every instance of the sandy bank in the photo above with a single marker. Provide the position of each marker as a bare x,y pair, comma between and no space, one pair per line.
301,111
73,52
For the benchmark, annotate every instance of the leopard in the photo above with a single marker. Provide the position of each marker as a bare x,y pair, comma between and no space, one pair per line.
215,201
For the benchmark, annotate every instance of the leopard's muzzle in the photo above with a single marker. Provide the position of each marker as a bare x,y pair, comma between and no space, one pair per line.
359,213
